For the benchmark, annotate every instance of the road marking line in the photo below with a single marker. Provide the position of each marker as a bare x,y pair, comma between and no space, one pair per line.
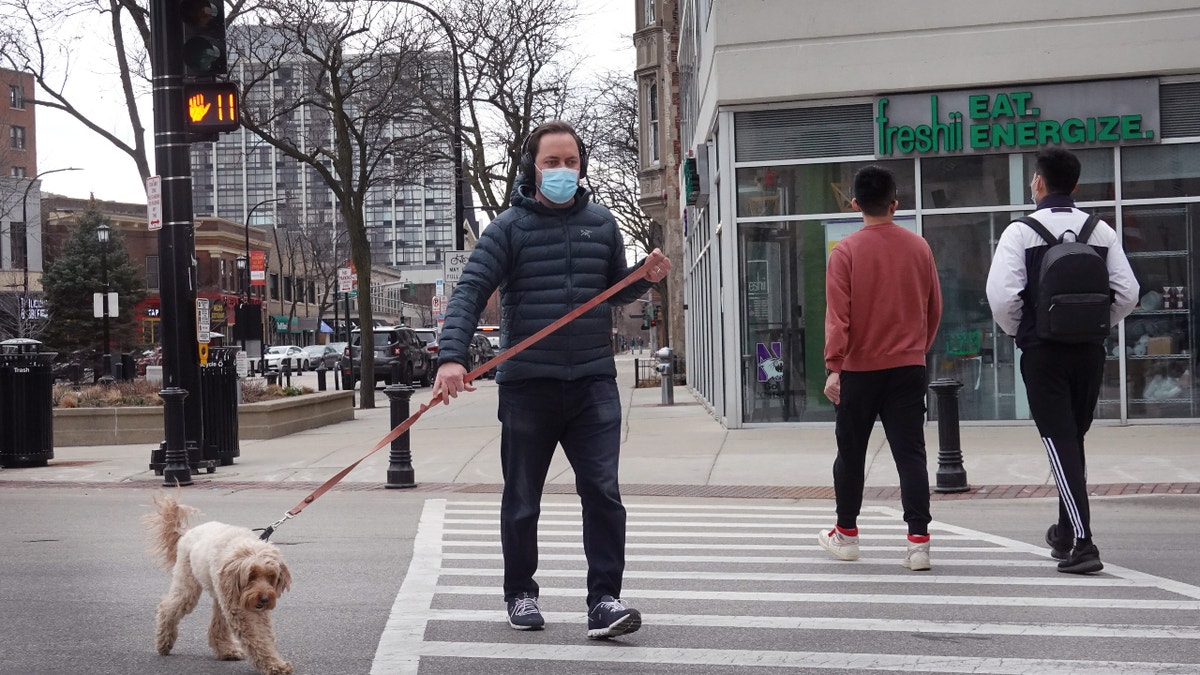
634,532
1093,630
404,631
898,578
777,659
823,559
754,516
636,522
1169,585
634,504
863,598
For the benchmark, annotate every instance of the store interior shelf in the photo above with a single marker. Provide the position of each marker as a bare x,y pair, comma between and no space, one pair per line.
1158,312
1156,254
1154,357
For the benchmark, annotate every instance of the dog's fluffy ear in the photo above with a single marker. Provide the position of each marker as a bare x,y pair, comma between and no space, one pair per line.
284,582
235,574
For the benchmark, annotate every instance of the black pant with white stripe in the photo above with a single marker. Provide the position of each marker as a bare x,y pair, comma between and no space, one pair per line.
896,397
1063,384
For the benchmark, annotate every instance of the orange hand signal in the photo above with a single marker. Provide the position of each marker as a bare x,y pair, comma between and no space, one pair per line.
197,108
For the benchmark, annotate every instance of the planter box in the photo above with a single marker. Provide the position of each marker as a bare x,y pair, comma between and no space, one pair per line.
267,419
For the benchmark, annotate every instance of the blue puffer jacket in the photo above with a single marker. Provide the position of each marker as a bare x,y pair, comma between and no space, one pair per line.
545,262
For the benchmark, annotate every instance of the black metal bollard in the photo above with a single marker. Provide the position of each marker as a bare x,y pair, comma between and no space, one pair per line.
286,366
395,378
321,376
272,377
951,476
400,472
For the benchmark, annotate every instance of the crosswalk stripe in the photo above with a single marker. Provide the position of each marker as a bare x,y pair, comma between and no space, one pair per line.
633,505
405,628
863,598
918,579
797,659
639,523
1060,630
823,518
634,531
823,559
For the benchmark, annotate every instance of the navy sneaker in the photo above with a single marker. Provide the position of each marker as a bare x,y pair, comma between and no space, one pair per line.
611,617
523,613
1059,546
1082,560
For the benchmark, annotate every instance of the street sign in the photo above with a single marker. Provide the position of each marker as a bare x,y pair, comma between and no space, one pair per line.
242,363
211,107
203,323
98,305
453,263
154,209
345,277
438,305
258,268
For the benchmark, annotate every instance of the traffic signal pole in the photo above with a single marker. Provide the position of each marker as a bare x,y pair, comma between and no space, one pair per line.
176,247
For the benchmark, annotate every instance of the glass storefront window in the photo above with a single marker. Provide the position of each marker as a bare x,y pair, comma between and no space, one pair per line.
1096,181
970,346
1160,171
811,188
964,181
1160,334
783,322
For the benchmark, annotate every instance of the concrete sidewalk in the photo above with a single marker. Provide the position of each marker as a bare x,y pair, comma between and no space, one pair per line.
679,449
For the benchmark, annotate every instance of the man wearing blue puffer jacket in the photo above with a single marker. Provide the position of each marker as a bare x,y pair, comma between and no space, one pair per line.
552,251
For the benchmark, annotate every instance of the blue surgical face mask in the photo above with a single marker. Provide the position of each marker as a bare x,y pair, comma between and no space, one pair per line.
559,185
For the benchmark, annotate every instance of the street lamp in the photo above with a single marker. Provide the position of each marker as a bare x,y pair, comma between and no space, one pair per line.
246,287
456,134
102,234
24,309
243,264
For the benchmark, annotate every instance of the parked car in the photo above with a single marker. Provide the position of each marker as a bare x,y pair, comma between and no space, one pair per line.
149,357
429,338
481,352
315,355
280,354
393,344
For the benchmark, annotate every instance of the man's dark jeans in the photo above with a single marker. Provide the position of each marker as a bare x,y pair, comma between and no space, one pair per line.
585,417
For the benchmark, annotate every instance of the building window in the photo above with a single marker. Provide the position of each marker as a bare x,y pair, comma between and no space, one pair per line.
152,272
652,124
20,250
312,293
16,96
274,286
19,172
649,16
287,289
16,136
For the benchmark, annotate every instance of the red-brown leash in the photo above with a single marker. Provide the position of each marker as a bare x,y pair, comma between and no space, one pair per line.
491,363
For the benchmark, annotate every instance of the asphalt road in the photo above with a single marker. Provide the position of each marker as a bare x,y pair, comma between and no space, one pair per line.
725,585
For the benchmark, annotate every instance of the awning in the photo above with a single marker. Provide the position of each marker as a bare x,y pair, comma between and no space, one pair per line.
310,324
325,328
281,325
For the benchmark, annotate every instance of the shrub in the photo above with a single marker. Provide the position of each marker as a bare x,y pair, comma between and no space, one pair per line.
144,393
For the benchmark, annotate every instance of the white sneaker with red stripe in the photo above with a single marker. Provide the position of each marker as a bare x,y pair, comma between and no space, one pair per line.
917,558
841,543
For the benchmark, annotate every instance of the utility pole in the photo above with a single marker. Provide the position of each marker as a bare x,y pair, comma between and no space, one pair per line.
176,247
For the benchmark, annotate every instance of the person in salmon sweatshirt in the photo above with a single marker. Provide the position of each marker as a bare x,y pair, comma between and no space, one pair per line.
883,306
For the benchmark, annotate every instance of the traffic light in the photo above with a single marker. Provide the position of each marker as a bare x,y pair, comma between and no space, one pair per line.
654,316
204,49
646,321
212,107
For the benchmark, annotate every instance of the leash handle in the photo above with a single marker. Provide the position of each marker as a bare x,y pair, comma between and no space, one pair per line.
404,426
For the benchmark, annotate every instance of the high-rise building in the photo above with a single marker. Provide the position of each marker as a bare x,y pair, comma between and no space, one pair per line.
20,209
409,223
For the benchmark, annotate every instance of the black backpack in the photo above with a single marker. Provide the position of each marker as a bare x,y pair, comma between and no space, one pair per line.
1073,292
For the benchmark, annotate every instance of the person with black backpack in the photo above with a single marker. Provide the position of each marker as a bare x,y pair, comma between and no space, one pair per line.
1058,283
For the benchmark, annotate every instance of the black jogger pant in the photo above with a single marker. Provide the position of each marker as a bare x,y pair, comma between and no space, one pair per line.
897,397
1063,384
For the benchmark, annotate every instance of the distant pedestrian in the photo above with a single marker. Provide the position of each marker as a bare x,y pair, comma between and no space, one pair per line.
883,305
547,254
1062,379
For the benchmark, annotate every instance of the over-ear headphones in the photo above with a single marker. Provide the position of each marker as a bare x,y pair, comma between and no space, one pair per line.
526,165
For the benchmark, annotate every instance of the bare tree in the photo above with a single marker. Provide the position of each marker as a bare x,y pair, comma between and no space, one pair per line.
333,88
516,72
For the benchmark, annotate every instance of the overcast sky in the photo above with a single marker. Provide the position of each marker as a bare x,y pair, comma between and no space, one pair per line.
111,175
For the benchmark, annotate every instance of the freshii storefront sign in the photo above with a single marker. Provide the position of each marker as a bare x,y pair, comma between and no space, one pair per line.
1017,119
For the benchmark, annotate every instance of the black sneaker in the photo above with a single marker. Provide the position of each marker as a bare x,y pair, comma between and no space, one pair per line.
523,613
1059,546
611,617
1082,560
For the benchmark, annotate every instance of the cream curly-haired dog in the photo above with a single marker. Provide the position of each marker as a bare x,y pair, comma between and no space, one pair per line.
243,574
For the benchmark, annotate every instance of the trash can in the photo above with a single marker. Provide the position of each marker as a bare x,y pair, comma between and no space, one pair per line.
219,405
26,403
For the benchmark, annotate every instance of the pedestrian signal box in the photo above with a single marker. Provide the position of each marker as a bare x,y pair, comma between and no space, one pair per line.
212,107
